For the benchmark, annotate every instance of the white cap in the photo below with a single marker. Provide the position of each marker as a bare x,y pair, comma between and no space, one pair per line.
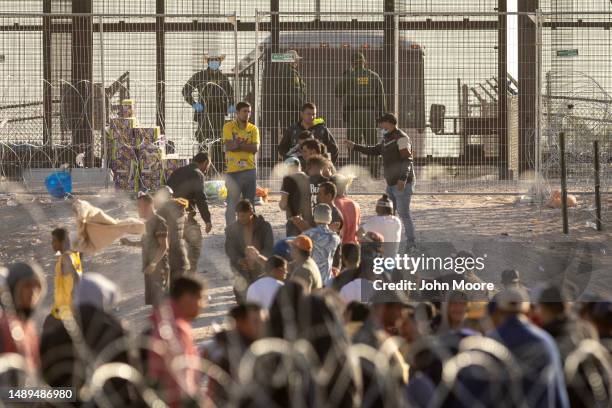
322,214
294,53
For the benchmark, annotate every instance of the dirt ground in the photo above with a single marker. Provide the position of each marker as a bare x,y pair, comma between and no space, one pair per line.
527,238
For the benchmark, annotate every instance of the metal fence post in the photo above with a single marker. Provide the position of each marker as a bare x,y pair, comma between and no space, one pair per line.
563,182
538,106
236,65
597,185
257,84
103,121
396,63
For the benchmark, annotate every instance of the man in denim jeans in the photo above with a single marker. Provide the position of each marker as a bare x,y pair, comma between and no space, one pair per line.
396,152
241,140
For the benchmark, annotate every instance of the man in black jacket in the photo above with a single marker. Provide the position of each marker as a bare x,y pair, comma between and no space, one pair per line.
188,182
396,152
249,230
316,126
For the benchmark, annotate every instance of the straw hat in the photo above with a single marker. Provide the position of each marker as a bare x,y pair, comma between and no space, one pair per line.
214,54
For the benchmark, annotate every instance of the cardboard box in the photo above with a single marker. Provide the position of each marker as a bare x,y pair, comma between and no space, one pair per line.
123,182
151,158
149,181
146,135
171,164
121,131
124,156
127,109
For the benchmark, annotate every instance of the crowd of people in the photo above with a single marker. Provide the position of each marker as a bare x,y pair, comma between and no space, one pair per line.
309,328
292,342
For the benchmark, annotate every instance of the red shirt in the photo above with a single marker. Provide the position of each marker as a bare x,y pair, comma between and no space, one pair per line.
173,334
352,218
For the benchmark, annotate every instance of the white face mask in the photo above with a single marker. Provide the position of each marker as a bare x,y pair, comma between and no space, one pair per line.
381,133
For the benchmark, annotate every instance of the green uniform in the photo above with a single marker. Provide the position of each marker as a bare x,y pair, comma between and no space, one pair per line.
292,90
363,98
284,95
214,90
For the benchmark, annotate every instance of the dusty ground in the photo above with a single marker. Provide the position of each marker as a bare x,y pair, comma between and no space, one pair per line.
525,237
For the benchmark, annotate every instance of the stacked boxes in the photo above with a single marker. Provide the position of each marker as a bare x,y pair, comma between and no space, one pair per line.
151,171
145,136
138,158
122,130
127,109
125,167
171,163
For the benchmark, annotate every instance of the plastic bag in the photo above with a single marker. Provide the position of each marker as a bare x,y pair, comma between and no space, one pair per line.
59,184
215,189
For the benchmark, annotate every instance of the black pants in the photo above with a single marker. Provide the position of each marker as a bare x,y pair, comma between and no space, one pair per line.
210,127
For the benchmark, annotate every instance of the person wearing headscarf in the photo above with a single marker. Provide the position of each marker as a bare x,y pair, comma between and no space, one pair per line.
24,287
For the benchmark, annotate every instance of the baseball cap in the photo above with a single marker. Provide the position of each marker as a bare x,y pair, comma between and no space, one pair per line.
510,276
294,53
388,118
358,57
322,214
512,300
282,248
302,242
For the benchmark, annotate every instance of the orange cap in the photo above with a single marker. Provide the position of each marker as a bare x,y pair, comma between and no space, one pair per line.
302,242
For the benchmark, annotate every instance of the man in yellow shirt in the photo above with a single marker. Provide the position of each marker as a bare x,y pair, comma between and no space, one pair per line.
241,140
68,271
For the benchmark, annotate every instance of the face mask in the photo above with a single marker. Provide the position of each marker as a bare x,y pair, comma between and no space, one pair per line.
214,65
381,133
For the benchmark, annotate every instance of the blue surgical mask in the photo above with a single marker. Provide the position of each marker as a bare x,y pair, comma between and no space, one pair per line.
214,65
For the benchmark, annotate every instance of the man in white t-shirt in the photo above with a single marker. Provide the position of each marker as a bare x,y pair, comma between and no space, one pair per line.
264,289
387,225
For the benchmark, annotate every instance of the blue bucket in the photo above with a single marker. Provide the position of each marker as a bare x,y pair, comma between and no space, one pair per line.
59,184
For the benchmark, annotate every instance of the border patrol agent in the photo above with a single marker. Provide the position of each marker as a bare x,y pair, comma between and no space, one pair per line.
363,98
215,99
285,95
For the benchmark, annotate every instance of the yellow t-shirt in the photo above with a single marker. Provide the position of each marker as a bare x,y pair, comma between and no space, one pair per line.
239,160
65,282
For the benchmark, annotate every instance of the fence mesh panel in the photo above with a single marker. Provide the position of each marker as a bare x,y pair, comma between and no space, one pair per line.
448,76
